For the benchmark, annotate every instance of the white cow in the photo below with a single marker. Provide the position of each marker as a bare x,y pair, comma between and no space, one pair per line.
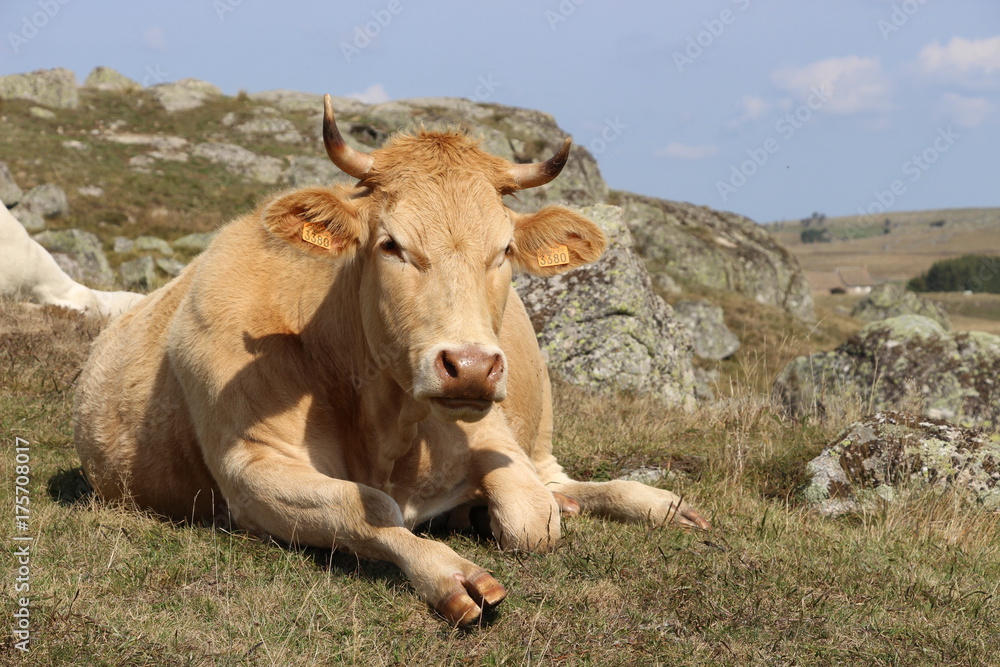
27,270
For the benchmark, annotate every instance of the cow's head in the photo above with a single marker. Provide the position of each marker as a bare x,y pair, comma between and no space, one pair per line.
436,248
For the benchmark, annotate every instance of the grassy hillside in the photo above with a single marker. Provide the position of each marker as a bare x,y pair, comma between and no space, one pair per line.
913,583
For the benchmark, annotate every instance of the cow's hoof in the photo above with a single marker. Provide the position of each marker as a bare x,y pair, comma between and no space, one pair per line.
462,608
567,506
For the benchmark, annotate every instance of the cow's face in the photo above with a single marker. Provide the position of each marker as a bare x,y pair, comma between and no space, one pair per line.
436,248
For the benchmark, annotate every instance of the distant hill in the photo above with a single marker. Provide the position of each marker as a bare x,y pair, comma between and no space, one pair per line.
899,249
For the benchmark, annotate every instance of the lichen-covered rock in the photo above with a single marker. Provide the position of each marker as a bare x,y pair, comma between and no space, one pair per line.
153,244
238,160
172,267
10,193
138,273
105,78
196,242
602,326
51,87
877,455
89,265
47,200
184,94
890,300
697,245
29,218
706,324
306,170
903,363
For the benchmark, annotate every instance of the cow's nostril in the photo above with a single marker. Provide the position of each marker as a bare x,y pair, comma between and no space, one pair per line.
449,367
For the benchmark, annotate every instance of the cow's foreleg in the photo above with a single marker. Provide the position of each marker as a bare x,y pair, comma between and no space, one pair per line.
629,501
276,495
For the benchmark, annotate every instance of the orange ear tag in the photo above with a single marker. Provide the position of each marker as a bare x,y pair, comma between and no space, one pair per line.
317,234
554,256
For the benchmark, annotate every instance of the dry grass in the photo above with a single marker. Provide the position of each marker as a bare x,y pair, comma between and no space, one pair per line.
911,583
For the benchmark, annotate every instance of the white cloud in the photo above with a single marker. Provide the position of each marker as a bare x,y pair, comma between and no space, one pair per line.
373,94
852,83
967,111
155,38
753,107
687,151
968,61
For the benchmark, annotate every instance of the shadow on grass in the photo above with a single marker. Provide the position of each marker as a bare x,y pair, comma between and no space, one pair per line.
69,487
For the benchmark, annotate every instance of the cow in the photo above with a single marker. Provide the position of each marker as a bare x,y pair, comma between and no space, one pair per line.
27,270
347,362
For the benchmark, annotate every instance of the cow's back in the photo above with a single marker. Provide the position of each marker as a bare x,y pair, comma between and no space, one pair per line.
132,428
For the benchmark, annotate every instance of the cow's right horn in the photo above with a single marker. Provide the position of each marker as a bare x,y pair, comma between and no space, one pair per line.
539,173
351,162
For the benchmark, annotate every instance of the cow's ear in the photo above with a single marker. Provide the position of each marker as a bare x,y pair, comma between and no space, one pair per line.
324,222
555,239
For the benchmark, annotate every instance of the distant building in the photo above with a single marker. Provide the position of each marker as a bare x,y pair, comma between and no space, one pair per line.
842,280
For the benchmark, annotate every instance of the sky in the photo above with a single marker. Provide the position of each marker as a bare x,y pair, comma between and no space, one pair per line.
770,108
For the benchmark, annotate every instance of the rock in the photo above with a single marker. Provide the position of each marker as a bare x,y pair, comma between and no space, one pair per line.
268,123
905,363
238,160
306,170
10,193
105,78
153,244
29,218
310,103
139,273
40,112
647,475
705,381
601,326
889,300
875,456
196,242
52,87
48,200
91,191
697,245
704,320
123,245
90,265
172,267
184,94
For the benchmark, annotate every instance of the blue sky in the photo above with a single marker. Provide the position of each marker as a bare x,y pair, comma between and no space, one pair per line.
770,108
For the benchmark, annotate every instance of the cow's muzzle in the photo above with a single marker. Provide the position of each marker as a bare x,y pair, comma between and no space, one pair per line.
464,381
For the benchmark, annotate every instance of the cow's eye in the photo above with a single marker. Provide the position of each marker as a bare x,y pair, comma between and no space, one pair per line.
390,247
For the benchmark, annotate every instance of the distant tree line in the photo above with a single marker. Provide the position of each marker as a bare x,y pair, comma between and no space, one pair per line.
976,273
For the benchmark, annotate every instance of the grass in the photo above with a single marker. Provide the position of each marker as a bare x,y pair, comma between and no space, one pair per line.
772,583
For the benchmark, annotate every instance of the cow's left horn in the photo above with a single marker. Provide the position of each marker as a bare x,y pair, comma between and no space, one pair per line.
539,173
351,162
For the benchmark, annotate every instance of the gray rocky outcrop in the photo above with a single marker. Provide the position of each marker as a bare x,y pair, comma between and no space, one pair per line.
903,363
706,324
877,455
80,254
195,242
184,94
138,273
105,78
52,87
697,245
47,200
601,325
242,162
890,300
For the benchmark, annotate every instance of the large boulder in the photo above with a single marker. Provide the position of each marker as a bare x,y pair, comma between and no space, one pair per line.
51,87
80,254
903,363
184,94
242,162
705,321
878,454
105,78
890,300
47,200
601,325
697,245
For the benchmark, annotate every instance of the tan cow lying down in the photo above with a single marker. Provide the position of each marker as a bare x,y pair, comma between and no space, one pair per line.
28,271
345,363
